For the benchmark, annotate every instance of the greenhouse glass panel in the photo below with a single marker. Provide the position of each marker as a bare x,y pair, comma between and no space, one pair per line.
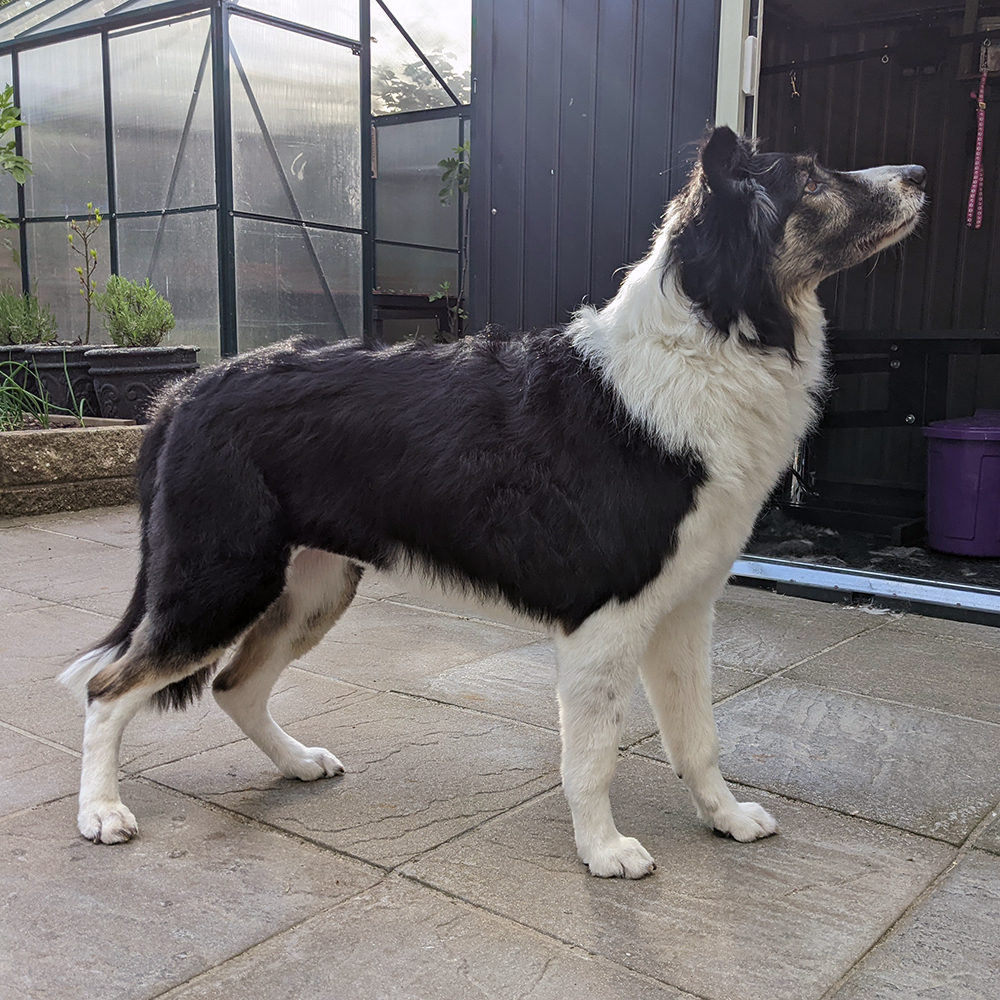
8,186
338,17
400,80
178,255
296,112
50,263
414,271
62,102
18,18
442,30
281,271
76,14
161,87
10,260
408,208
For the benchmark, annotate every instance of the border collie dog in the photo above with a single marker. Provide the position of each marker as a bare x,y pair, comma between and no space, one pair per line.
600,478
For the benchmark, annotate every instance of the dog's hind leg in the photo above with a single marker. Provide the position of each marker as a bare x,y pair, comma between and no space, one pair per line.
598,665
677,674
116,690
319,587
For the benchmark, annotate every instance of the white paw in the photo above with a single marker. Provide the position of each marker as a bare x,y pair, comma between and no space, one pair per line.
749,821
107,823
621,858
310,763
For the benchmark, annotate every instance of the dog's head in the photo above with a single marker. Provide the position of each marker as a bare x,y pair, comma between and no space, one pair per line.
754,230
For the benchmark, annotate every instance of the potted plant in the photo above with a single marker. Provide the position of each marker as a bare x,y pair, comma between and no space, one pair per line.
130,375
61,369
23,321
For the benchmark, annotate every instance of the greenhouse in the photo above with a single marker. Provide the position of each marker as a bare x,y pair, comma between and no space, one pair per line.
271,166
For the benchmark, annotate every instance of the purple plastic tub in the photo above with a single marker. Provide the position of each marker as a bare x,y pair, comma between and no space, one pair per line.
963,484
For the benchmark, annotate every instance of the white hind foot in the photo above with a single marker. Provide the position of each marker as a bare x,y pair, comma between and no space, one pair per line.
623,857
107,823
307,763
748,821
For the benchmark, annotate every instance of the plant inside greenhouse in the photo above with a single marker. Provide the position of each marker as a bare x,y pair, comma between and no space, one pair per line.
135,315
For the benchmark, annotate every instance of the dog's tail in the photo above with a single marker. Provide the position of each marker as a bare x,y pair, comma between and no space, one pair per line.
114,645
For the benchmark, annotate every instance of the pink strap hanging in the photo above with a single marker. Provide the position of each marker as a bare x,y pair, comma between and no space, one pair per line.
976,191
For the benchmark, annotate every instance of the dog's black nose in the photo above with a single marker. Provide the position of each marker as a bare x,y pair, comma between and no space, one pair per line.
915,175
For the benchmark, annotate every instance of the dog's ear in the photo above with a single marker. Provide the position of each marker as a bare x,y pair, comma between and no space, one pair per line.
725,161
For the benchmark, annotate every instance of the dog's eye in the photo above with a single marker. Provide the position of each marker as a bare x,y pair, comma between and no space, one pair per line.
812,186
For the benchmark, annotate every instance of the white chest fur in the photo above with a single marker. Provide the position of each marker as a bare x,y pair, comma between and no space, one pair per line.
742,411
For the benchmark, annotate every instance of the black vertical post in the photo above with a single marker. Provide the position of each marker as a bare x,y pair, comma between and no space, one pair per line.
229,343
109,143
19,149
367,184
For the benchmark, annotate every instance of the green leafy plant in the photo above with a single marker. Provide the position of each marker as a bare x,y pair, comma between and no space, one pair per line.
455,183
455,179
24,320
17,166
11,413
134,315
17,402
86,232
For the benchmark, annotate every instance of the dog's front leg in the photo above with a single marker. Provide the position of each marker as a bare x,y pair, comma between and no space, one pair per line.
598,666
676,671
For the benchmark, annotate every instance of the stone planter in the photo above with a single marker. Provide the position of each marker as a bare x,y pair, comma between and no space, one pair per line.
51,363
128,379
45,471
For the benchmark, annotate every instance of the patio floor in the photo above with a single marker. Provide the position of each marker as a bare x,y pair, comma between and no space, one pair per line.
441,865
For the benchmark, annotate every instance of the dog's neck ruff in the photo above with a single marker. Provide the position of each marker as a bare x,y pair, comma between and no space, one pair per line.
695,387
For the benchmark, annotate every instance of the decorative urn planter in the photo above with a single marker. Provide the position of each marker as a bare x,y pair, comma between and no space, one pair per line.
59,367
127,380
12,360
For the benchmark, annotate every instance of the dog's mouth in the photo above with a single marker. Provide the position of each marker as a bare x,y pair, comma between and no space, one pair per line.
899,233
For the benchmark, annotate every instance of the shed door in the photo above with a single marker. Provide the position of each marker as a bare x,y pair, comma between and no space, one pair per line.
740,23
584,119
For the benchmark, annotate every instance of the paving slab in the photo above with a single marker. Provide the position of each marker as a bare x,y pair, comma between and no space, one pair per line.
31,772
980,635
32,544
766,633
39,641
860,755
408,942
521,684
949,947
109,525
784,917
914,667
418,773
11,600
383,645
989,839
92,570
194,889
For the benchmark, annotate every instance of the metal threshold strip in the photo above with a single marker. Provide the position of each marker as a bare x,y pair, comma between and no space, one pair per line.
930,597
